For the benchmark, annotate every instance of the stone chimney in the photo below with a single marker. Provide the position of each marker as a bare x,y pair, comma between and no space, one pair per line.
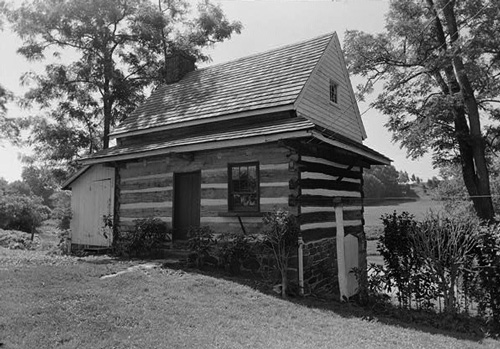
177,65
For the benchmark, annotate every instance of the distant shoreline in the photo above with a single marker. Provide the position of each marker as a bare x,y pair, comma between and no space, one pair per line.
388,201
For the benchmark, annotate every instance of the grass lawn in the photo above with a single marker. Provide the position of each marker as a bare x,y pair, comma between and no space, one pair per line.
62,302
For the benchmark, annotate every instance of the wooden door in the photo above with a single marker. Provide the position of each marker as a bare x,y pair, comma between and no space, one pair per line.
187,194
99,207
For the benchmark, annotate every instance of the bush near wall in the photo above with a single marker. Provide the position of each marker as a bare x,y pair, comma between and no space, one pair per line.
149,234
269,253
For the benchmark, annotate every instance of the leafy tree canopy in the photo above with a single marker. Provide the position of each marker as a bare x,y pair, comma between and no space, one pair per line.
438,62
386,182
8,127
104,57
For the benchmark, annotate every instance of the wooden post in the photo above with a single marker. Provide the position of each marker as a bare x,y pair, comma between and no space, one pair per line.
301,265
341,268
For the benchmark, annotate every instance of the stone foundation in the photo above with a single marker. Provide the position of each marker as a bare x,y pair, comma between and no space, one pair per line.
320,267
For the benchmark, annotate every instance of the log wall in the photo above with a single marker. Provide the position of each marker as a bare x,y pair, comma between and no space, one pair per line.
325,179
146,186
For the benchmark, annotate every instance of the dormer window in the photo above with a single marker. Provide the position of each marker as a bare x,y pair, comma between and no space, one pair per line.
334,87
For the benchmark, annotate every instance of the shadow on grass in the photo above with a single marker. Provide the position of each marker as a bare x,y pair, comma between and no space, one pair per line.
460,326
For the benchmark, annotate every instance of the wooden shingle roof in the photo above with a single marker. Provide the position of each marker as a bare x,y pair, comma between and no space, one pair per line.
271,79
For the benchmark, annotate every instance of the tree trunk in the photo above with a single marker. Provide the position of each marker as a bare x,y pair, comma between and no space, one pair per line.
467,131
107,123
470,138
477,188
284,282
107,103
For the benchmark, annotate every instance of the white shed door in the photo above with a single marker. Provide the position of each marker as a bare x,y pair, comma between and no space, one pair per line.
99,206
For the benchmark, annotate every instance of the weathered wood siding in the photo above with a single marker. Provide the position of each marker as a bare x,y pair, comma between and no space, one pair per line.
314,102
321,183
146,186
92,198
326,177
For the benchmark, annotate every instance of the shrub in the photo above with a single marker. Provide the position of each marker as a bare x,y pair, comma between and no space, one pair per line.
281,233
235,250
401,263
452,258
61,201
445,246
200,243
488,273
374,284
148,234
22,212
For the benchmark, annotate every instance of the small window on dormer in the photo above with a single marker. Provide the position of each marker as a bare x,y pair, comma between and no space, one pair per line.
334,92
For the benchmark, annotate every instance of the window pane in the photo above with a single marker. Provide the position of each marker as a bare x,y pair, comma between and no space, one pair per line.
244,188
252,178
235,173
244,178
333,91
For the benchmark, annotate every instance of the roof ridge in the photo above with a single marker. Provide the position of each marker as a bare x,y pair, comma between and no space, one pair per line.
278,48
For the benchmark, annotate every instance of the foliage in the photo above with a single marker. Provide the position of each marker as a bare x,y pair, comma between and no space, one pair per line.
404,266
374,285
445,247
454,258
116,52
452,192
200,243
61,203
488,273
235,250
18,240
148,233
43,181
415,179
22,212
438,65
281,232
64,244
386,182
8,127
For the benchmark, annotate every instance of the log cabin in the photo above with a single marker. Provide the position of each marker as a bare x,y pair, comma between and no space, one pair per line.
223,145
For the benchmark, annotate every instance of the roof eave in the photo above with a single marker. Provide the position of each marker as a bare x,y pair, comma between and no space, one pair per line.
215,144
372,157
67,183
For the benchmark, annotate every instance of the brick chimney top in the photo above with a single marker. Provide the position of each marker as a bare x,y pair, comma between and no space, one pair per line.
177,65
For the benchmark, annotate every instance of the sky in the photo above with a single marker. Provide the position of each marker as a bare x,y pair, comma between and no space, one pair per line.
267,24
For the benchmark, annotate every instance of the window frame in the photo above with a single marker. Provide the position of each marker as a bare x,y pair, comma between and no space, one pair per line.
333,90
230,190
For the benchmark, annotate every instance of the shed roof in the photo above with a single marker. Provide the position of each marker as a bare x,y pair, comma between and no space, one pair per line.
294,127
271,79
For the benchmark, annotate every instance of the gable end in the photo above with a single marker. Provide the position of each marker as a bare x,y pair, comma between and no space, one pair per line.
315,100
